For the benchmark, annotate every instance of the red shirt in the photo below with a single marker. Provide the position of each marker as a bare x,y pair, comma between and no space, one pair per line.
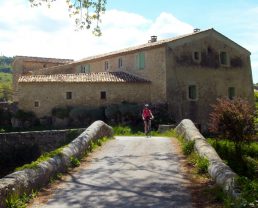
146,113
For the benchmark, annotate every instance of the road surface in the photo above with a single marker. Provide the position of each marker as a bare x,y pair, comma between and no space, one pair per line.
126,172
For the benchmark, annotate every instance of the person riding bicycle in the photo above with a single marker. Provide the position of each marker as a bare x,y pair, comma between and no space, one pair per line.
147,116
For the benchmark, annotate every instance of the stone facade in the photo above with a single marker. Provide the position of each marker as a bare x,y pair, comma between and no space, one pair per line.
188,73
50,95
212,79
24,65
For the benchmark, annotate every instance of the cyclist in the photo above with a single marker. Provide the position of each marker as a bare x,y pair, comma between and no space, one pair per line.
147,116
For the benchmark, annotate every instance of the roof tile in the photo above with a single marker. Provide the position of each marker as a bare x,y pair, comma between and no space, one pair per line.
117,77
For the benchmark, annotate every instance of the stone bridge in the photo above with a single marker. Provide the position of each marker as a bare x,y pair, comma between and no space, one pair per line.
125,172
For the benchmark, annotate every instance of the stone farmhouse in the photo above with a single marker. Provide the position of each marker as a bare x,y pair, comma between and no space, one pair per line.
188,73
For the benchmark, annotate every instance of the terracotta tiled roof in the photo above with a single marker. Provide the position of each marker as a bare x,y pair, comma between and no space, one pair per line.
117,77
142,46
41,59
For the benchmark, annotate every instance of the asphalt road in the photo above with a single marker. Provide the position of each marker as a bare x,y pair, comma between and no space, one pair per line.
126,172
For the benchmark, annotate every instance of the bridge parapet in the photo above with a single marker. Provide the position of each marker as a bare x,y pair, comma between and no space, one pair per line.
217,169
27,180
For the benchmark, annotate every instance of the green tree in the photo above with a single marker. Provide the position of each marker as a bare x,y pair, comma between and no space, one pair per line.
86,12
5,92
233,120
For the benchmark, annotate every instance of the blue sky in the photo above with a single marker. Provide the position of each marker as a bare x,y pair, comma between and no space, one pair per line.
50,32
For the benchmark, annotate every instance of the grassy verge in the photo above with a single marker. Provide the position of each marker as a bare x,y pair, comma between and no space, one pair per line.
247,169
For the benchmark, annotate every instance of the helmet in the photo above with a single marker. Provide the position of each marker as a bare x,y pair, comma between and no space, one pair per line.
146,105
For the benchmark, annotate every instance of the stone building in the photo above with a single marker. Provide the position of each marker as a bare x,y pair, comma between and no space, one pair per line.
188,73
24,65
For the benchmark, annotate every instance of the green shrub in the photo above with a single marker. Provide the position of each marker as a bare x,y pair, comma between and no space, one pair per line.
15,201
74,162
245,166
24,115
112,113
252,166
85,115
61,112
122,130
248,197
233,120
202,164
188,147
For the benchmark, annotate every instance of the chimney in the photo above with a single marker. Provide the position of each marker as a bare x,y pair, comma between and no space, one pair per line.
196,30
153,39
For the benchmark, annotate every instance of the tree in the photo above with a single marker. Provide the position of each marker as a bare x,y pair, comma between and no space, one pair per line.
86,12
233,120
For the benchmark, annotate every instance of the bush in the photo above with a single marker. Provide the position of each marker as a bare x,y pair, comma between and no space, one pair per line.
124,113
188,147
75,162
122,130
160,112
247,166
61,112
233,120
85,115
202,164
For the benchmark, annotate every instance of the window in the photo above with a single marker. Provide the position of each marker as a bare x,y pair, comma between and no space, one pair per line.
68,95
231,93
106,65
141,60
223,57
103,95
192,92
36,104
120,63
197,56
85,68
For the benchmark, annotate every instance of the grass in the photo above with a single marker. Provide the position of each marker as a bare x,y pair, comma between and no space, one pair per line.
14,201
46,156
246,166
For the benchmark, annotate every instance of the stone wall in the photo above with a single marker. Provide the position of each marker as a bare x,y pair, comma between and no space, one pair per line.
22,147
154,68
217,169
27,180
212,79
51,95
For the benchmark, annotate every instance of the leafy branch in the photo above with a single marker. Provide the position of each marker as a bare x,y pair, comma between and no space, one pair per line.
85,12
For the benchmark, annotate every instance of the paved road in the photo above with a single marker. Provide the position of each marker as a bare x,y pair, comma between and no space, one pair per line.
127,172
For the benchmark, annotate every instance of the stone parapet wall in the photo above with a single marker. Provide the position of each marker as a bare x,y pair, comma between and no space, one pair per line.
32,179
217,169
19,145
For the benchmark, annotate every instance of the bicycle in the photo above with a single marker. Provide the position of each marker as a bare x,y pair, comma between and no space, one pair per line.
148,130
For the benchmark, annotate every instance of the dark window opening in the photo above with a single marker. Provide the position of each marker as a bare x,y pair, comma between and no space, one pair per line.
192,92
106,65
223,58
231,93
68,95
103,95
197,56
36,104
120,63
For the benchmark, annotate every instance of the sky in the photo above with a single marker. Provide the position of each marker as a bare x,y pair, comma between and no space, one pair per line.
45,32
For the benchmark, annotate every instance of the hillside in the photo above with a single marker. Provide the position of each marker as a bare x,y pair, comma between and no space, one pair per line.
5,78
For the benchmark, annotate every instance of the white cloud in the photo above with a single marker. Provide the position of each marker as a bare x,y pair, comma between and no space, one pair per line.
50,32
168,24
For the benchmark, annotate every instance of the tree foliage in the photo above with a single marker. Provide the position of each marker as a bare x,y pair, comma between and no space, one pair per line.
85,12
233,120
